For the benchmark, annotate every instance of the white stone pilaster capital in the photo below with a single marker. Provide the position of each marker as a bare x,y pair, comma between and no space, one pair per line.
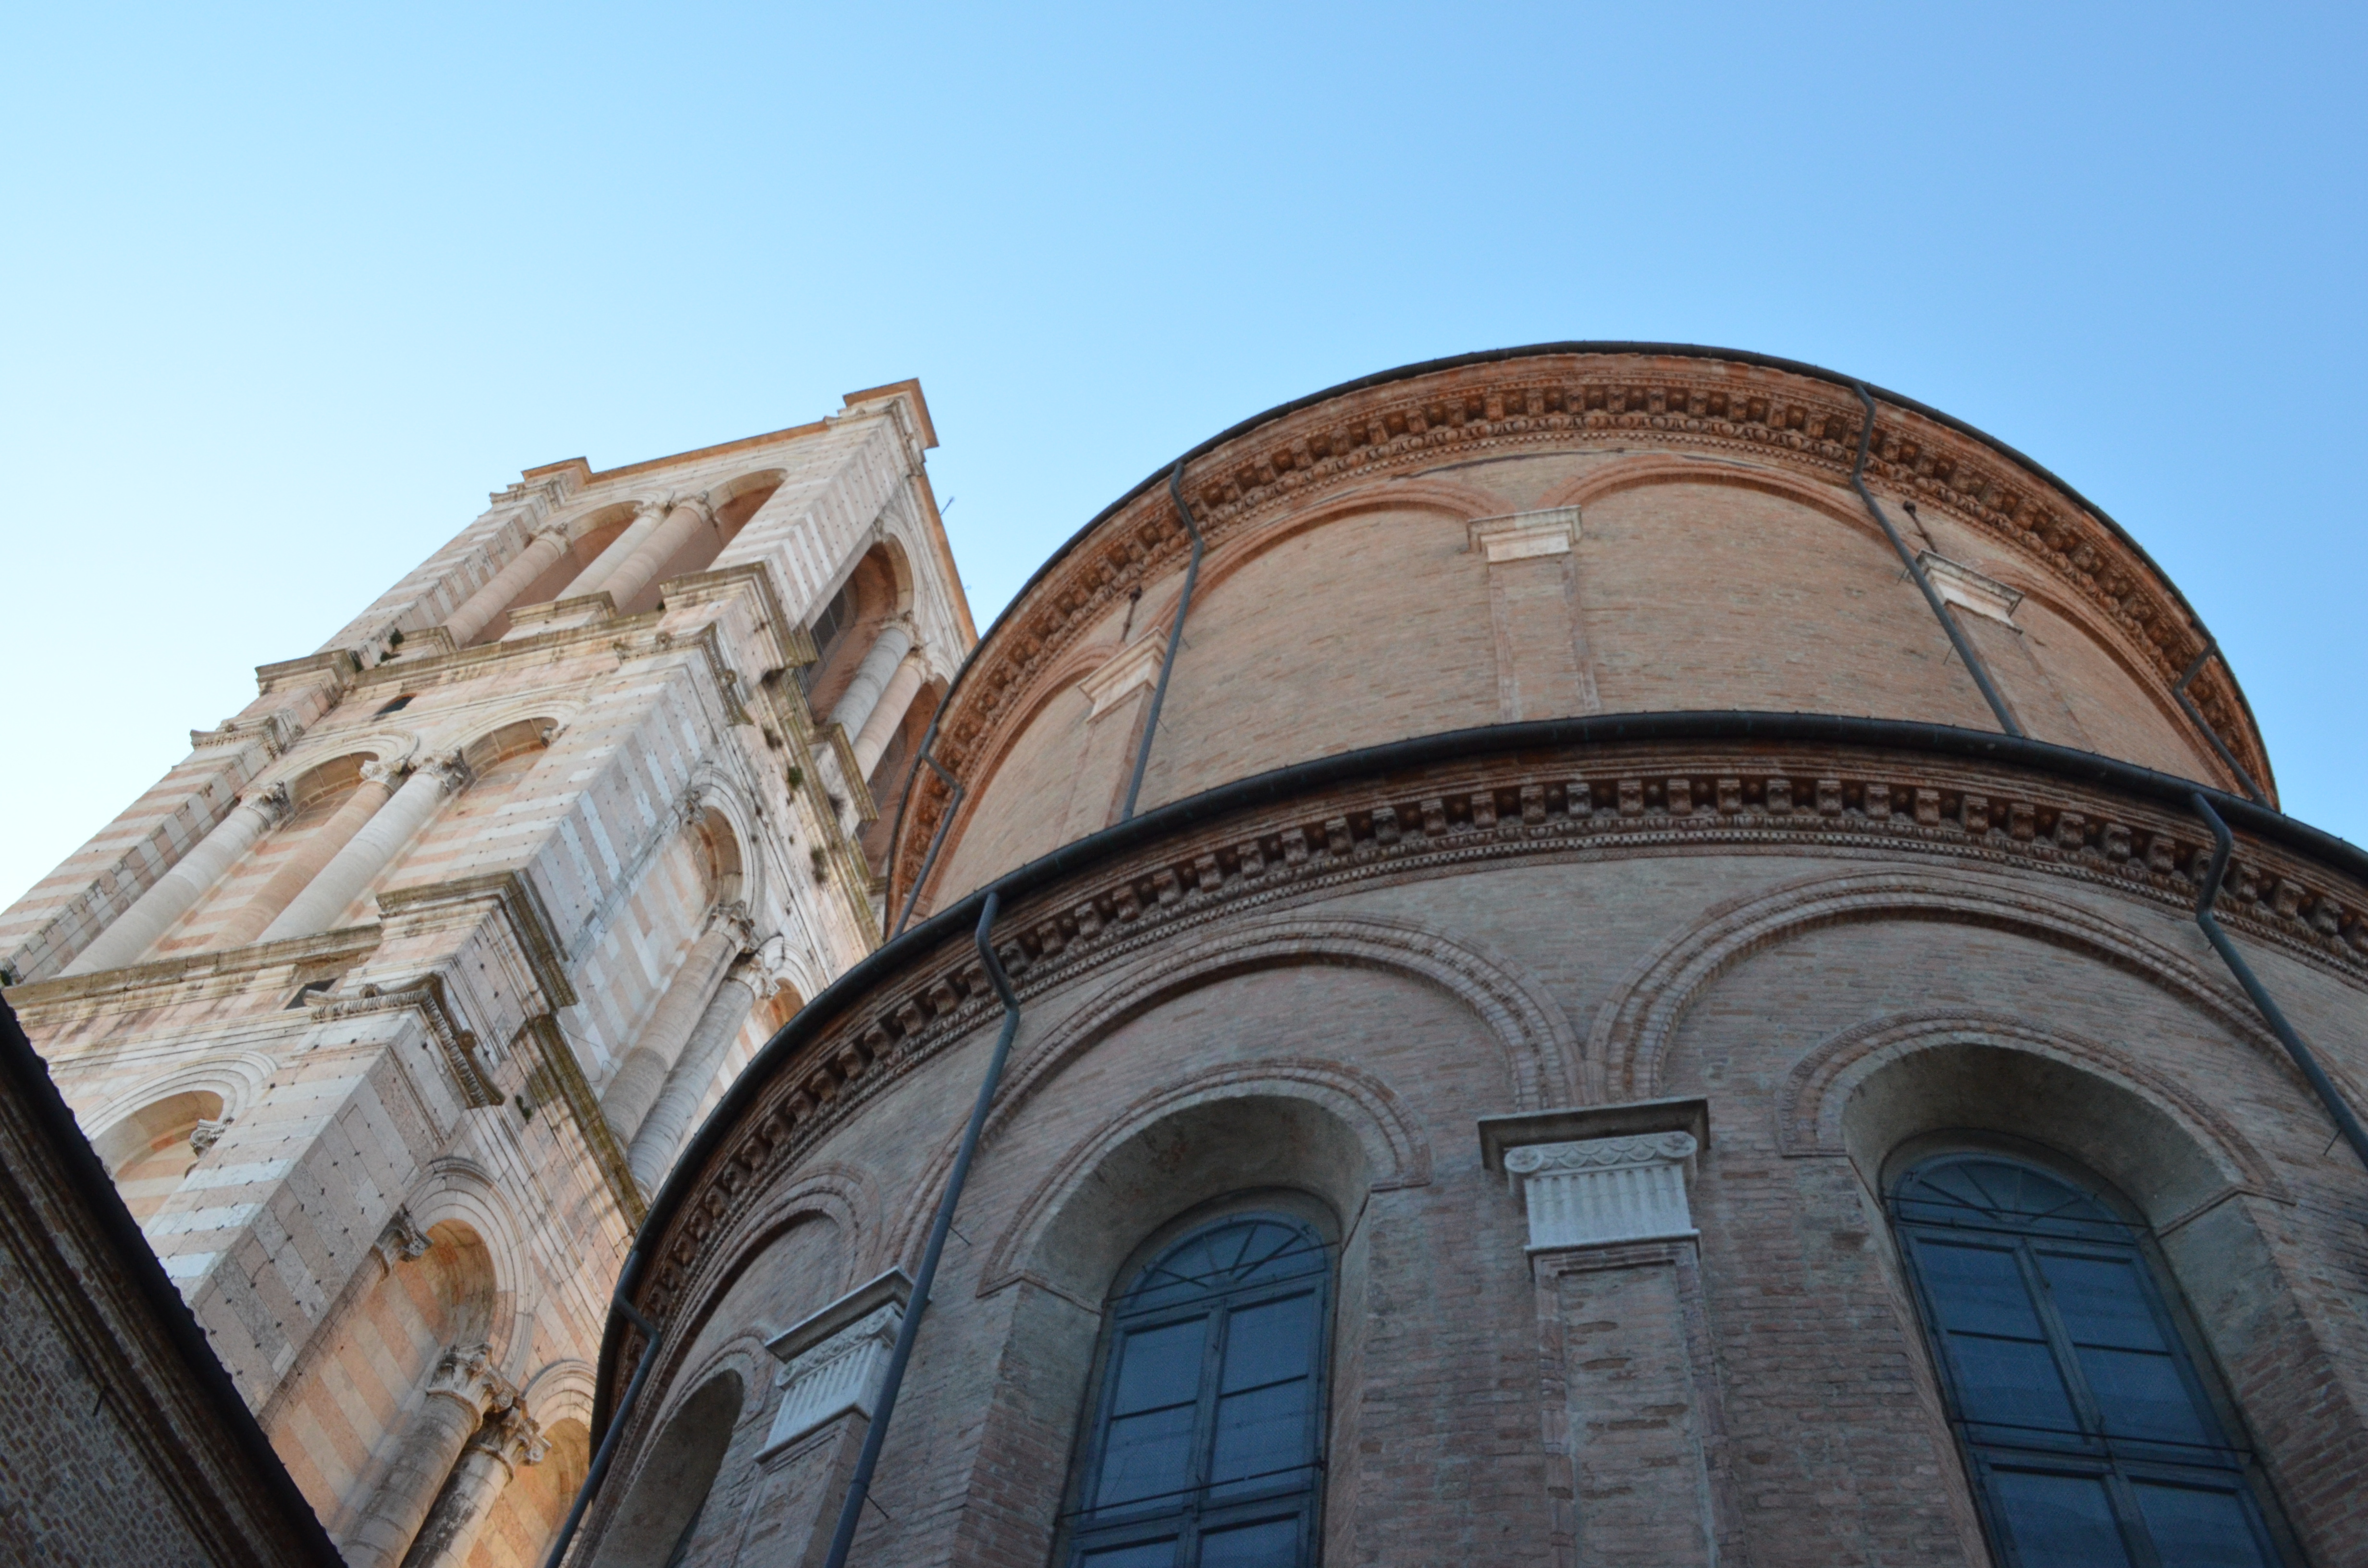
1520,535
1133,668
833,1362
1598,1191
385,773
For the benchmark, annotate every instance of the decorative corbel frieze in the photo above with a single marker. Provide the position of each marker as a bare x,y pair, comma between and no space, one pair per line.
833,1363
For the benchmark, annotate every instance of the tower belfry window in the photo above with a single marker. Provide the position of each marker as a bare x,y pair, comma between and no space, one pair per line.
2088,1432
827,628
1206,1447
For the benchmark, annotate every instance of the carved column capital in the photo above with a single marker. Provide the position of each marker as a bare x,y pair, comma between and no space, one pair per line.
385,773
272,803
734,919
513,1436
466,1373
401,1239
206,1135
449,772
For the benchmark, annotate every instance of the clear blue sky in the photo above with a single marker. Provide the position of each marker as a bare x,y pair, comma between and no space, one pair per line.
286,293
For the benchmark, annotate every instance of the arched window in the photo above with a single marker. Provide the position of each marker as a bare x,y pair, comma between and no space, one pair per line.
1206,1448
2091,1435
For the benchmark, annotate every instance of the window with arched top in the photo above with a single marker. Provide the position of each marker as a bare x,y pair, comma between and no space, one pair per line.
2092,1437
1206,1448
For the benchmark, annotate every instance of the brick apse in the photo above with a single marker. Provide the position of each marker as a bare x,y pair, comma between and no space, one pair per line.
1648,1009
388,1005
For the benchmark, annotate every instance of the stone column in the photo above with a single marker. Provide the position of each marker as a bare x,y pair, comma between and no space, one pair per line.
137,928
350,872
621,549
872,676
1614,1261
478,610
459,1390
304,862
644,1072
508,1441
636,571
660,1135
888,712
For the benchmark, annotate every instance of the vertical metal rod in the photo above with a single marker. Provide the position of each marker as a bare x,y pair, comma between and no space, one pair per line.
937,839
2222,842
1175,636
650,1334
850,1511
1974,665
2187,705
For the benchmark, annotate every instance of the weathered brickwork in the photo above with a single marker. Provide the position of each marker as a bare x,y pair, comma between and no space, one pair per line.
390,1005
1814,945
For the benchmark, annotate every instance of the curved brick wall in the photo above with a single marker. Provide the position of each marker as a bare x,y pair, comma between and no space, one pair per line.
1766,963
1545,536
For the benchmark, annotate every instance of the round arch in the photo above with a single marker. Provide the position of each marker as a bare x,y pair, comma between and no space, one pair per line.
1635,1026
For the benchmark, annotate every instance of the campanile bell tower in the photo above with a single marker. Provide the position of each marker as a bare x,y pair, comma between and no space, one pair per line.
391,1004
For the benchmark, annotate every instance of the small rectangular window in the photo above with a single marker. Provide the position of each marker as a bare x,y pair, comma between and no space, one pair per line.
398,705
